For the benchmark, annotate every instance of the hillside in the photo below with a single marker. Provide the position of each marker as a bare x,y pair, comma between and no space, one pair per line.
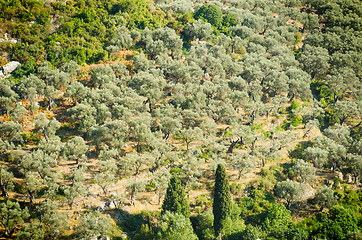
115,115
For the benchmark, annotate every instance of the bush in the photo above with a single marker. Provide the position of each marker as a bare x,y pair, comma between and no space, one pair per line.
236,189
210,13
296,121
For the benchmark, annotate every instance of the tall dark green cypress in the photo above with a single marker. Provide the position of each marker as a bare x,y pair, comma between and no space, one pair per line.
222,200
175,200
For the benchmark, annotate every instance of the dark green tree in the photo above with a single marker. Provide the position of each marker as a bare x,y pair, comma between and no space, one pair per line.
175,200
211,13
222,200
12,217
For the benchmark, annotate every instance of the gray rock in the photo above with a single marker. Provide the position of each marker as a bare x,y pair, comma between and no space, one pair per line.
349,179
10,67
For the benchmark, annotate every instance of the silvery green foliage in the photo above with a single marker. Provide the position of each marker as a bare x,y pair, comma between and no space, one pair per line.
46,126
242,162
107,169
289,190
53,221
160,180
6,181
318,155
304,171
325,197
8,96
75,150
93,224
315,60
76,188
199,30
135,186
121,41
101,75
175,226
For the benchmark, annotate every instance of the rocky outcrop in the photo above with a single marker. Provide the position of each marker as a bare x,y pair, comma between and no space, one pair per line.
9,40
8,68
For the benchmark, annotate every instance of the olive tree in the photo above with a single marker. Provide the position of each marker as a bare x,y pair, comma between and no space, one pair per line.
8,96
160,179
135,186
325,197
93,225
75,150
6,181
107,170
175,226
76,188
31,87
53,221
46,126
242,162
303,170
317,155
12,217
289,190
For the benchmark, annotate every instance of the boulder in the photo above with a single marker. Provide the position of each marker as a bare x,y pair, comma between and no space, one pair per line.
10,67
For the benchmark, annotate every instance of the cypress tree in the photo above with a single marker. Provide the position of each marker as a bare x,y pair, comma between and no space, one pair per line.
222,200
175,200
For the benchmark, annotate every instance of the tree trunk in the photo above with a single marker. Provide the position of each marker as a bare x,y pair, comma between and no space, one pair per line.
306,134
138,166
150,105
50,103
355,176
223,132
31,197
4,193
104,188
232,145
45,135
166,136
334,167
359,124
133,199
31,107
252,119
335,97
341,120
138,147
159,199
253,144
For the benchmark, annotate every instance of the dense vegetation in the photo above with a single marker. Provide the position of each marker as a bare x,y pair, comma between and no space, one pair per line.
181,119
